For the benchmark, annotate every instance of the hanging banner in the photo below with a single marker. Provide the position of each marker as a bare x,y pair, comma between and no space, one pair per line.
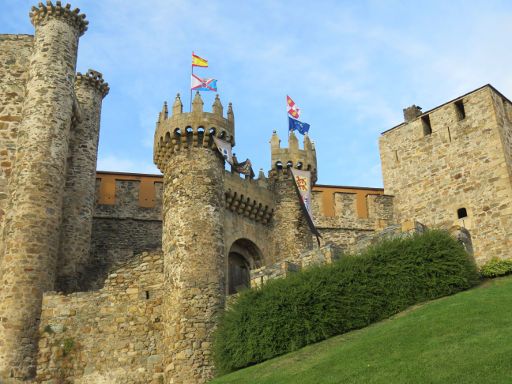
302,181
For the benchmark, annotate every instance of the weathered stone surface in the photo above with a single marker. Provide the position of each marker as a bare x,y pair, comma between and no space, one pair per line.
15,51
463,163
114,335
79,193
32,224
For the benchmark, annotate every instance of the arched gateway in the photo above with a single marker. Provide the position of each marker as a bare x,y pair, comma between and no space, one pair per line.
243,256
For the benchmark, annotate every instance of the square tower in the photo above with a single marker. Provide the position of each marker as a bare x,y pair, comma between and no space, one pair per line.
452,165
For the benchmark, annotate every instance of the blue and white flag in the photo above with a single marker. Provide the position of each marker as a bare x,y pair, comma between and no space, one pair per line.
294,124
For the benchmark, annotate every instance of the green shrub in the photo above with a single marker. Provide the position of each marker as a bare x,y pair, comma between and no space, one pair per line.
321,302
496,267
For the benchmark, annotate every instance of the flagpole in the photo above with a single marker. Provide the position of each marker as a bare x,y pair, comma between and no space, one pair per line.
191,74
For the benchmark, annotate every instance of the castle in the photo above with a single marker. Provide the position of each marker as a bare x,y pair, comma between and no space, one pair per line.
118,278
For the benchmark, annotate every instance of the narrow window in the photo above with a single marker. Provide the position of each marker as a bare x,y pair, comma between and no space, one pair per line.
459,107
449,134
462,213
427,128
147,295
396,155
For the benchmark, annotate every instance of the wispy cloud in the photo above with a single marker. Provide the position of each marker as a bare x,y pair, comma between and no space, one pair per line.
351,66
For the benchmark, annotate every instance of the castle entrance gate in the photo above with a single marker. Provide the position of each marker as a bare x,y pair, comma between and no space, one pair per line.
243,256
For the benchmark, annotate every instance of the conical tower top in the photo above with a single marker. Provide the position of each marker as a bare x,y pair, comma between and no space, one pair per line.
217,106
197,103
293,142
177,107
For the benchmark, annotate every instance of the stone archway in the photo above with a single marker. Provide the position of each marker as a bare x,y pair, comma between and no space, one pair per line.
243,256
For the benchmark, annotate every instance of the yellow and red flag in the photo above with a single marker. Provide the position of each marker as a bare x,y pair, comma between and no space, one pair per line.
198,61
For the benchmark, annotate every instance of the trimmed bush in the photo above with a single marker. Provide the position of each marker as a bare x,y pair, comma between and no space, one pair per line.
287,314
496,267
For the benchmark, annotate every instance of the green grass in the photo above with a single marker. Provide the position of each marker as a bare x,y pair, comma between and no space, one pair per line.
464,338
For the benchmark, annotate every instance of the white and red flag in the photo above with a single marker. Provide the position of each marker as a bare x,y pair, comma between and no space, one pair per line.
199,84
293,110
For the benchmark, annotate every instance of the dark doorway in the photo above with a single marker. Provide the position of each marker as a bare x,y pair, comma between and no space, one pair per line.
239,276
243,256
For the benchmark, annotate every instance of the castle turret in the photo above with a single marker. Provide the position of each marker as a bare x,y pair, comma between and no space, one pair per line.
36,186
193,238
78,205
291,234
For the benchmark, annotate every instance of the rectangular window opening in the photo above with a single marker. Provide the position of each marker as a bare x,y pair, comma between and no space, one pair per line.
427,128
459,107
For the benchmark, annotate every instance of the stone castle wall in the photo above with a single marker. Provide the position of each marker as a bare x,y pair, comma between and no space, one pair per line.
343,214
15,51
128,217
114,335
460,164
127,220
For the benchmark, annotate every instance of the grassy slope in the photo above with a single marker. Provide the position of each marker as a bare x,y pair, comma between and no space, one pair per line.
465,338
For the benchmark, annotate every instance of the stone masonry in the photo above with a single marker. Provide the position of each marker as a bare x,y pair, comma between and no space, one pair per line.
193,239
452,166
110,277
75,237
31,232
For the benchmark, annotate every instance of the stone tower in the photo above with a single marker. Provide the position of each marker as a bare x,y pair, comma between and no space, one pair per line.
452,165
291,233
32,226
77,210
193,235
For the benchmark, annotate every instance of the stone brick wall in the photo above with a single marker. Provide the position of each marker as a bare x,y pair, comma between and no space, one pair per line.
127,217
462,163
15,51
346,214
122,228
113,335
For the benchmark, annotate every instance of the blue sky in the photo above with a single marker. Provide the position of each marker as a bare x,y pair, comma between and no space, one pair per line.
351,66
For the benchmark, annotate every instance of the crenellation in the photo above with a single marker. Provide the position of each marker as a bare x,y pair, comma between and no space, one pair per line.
144,264
44,12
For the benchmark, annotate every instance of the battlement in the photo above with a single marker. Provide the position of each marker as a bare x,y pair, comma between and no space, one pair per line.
196,128
293,156
250,198
40,15
93,79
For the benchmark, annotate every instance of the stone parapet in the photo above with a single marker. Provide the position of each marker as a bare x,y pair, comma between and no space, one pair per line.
93,79
250,198
197,128
41,14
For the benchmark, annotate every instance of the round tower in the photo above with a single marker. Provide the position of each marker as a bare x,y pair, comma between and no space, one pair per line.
291,233
193,235
79,193
31,233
